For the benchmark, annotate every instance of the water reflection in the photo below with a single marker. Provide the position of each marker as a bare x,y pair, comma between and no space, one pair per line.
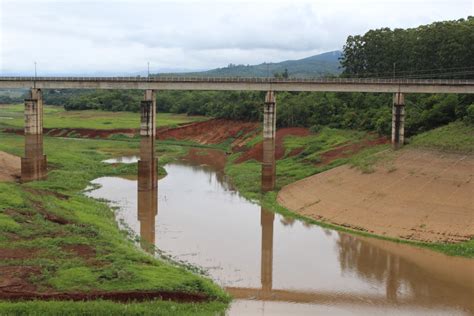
267,218
147,201
33,165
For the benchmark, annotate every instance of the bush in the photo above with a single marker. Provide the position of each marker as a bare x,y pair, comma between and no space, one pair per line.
469,118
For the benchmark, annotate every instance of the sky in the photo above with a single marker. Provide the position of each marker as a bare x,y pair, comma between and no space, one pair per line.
120,37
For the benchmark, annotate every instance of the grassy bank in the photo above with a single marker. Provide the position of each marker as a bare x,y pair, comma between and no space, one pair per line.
66,242
456,137
11,116
246,176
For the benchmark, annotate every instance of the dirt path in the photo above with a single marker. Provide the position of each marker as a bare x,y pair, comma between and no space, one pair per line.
420,195
10,167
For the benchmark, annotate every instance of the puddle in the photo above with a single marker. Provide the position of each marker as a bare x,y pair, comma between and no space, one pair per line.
126,160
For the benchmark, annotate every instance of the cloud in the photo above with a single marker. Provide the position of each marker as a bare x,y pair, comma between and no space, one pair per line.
122,36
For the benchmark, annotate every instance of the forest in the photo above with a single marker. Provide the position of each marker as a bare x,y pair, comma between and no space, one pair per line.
438,50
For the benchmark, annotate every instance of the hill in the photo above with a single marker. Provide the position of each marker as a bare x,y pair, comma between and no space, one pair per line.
314,66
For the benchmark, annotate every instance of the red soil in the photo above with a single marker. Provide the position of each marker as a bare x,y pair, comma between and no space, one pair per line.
15,285
17,253
208,132
256,152
83,251
127,296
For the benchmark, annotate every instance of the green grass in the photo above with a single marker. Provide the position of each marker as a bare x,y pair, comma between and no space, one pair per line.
246,176
11,116
118,265
100,308
456,137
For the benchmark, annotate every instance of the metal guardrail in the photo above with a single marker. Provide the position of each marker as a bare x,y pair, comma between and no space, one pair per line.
249,80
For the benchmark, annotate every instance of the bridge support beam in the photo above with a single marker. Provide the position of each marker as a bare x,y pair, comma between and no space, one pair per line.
34,164
269,133
398,120
147,178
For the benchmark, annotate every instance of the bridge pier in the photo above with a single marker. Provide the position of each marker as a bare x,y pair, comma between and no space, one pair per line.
398,120
34,164
147,178
269,132
268,184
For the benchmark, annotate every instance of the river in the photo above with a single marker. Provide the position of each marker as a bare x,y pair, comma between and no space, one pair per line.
274,265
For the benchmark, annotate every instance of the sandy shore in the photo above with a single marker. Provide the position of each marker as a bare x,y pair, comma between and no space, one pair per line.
419,195
9,167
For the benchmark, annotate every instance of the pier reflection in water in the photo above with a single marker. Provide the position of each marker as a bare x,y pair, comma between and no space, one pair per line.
285,264
267,218
147,188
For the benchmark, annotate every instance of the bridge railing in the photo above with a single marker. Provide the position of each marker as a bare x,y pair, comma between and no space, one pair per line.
249,80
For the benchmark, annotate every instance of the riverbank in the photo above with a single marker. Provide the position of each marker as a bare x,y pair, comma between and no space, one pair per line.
450,233
414,194
58,244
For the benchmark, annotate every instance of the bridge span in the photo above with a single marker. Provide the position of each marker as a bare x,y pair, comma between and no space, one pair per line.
34,164
243,84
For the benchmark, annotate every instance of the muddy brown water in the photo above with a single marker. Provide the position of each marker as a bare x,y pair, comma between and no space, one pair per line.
275,265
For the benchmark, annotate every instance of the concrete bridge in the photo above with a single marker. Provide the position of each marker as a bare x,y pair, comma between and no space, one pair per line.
243,84
34,163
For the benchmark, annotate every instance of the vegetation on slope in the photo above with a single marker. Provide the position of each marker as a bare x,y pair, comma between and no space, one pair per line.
454,137
73,242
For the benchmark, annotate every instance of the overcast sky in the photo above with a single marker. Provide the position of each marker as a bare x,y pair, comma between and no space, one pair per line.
87,37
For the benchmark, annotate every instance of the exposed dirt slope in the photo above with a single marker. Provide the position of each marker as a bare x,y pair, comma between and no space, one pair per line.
421,195
10,167
256,152
209,132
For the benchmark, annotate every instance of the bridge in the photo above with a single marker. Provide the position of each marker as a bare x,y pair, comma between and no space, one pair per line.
34,165
243,84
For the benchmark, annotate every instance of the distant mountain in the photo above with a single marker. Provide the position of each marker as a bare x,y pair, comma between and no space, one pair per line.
314,66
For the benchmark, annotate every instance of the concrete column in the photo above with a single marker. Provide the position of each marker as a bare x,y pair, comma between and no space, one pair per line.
398,120
269,116
268,165
147,166
148,114
34,164
269,134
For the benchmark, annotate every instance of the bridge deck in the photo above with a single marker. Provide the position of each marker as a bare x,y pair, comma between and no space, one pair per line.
245,84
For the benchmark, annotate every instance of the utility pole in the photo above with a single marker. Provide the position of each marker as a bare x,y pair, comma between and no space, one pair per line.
34,82
148,69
